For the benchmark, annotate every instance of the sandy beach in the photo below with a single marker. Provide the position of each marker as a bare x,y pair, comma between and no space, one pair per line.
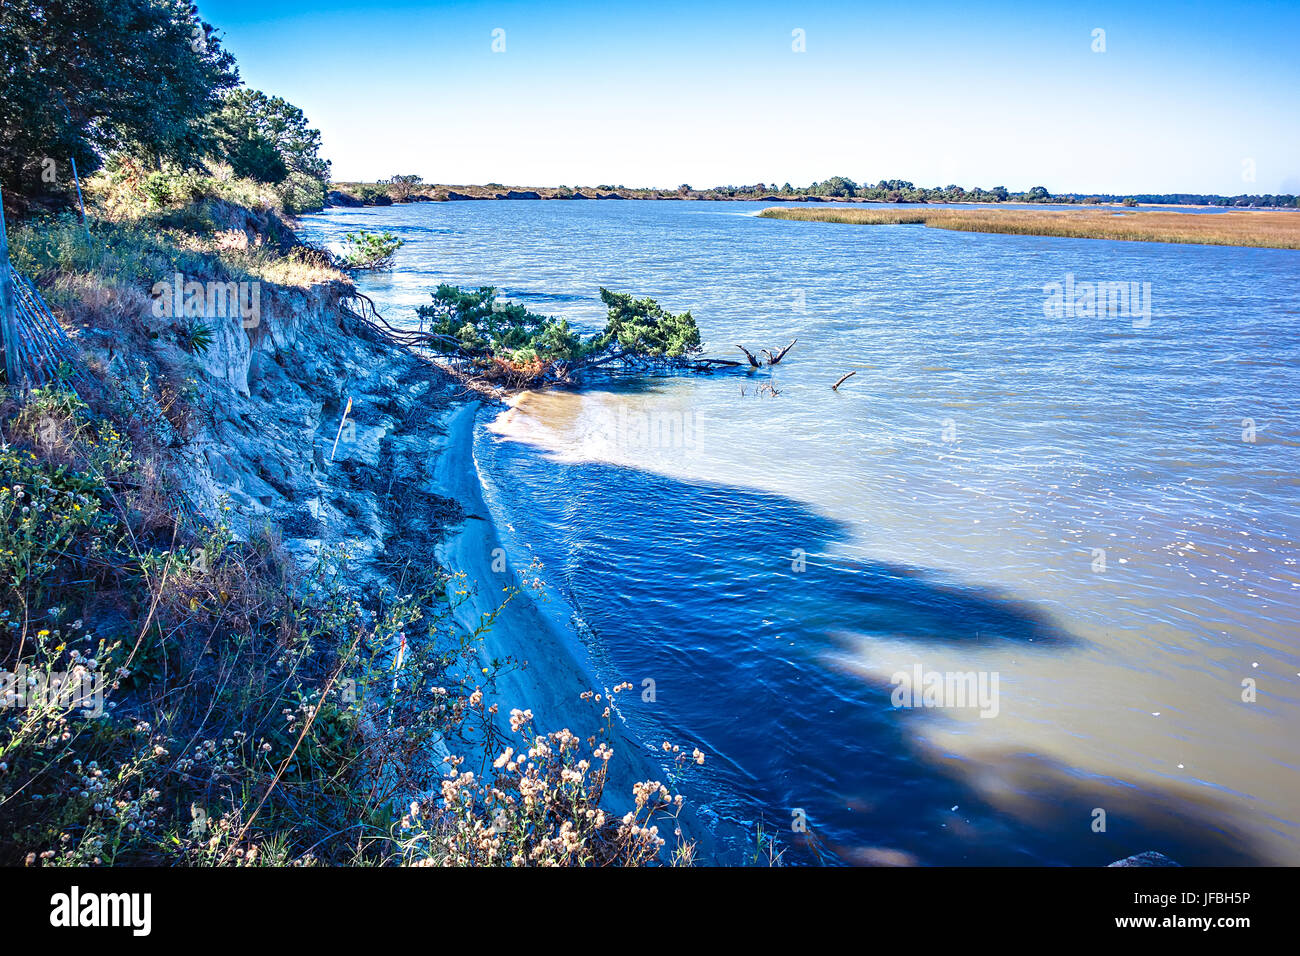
555,674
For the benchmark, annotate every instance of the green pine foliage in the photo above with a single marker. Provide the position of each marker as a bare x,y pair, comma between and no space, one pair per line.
473,324
370,250
643,327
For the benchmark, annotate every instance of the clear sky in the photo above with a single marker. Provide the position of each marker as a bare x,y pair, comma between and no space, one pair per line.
1186,97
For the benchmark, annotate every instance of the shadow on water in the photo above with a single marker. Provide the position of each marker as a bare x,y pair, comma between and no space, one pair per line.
697,587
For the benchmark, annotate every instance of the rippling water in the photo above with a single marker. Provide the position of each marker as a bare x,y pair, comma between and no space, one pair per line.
1071,504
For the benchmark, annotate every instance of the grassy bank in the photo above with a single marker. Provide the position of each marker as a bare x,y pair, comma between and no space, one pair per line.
1276,230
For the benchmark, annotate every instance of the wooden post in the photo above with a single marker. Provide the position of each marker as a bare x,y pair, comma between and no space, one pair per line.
81,202
8,318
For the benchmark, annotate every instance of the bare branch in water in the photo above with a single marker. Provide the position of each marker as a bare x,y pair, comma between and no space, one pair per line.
780,355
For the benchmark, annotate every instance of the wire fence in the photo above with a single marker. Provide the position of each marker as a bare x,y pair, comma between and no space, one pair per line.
43,353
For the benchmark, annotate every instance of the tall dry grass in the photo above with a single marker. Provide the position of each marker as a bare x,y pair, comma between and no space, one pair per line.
1272,229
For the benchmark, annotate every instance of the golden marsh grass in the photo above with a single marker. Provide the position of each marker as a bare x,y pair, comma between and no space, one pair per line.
1276,230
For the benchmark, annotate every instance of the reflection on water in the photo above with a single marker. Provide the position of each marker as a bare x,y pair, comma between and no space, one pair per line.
1073,504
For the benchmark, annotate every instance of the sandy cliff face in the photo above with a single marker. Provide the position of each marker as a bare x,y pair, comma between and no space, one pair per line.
273,452
244,429
265,401
274,396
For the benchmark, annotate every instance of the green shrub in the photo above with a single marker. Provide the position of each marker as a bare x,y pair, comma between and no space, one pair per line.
172,186
373,194
50,519
301,193
370,250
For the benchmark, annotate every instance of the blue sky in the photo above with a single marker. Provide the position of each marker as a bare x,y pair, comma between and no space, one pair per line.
1186,97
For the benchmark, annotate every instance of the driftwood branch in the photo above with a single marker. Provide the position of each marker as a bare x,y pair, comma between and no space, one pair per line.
843,378
772,359
781,354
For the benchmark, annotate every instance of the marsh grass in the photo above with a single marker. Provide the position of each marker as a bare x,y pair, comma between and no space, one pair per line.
1276,230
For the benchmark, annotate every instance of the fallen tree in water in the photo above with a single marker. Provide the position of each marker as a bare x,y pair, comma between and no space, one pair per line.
505,344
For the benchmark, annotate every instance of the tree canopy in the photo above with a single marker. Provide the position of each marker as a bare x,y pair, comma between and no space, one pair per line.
405,184
267,137
85,80
82,78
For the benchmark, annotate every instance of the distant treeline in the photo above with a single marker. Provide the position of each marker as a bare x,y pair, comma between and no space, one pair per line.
412,188
898,190
1200,199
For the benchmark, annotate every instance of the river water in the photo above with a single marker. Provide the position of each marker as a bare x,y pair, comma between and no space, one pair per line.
1093,512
